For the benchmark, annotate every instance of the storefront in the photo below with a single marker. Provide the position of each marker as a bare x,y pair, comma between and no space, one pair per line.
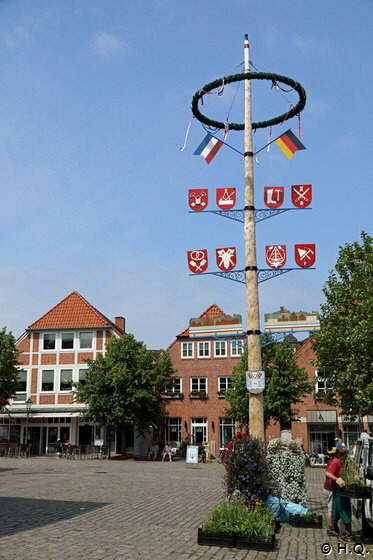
322,428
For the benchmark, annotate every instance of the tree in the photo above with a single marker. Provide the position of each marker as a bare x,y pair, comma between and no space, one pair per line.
125,385
286,384
343,346
8,367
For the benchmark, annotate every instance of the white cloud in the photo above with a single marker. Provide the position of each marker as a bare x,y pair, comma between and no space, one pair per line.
108,46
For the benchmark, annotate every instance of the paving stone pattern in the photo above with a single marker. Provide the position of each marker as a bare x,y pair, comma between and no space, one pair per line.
61,509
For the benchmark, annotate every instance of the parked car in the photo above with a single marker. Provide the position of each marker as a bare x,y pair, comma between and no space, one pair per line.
363,508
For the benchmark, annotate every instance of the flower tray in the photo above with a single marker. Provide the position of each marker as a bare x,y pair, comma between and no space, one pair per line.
216,539
356,492
249,543
306,523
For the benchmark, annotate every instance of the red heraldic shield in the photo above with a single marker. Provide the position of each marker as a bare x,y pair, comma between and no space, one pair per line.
198,199
226,258
276,255
305,255
301,195
273,196
226,198
198,260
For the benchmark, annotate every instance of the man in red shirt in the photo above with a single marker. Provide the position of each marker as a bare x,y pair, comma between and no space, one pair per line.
341,509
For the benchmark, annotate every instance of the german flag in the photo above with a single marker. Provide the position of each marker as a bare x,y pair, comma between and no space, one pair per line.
289,143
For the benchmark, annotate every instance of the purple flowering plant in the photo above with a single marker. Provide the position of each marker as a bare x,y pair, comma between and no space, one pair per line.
246,468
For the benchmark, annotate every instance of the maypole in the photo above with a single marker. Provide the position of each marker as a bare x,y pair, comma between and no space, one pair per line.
249,215
252,294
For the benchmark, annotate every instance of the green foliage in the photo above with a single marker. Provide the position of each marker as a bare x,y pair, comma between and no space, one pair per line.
344,346
350,474
8,367
238,397
126,385
286,466
286,384
232,516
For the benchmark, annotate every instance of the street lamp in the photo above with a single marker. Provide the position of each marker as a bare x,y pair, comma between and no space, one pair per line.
28,404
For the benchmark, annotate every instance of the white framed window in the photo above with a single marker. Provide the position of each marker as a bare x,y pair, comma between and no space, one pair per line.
227,430
173,431
67,341
66,379
187,349
220,348
198,384
47,380
49,341
85,340
204,349
236,347
320,383
21,393
82,375
177,385
224,383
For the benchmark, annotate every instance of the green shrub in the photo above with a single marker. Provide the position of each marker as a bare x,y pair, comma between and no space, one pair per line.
232,516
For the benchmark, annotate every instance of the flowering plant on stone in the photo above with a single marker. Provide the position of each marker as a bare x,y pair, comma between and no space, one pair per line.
286,466
246,468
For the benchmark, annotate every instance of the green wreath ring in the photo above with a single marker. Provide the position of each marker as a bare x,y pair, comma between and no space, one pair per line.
249,76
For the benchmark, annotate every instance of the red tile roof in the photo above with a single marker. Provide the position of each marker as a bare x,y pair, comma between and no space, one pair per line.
73,312
211,312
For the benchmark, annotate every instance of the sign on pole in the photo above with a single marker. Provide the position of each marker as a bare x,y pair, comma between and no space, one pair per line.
255,381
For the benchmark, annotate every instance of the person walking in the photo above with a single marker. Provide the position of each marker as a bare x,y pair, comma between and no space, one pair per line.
341,505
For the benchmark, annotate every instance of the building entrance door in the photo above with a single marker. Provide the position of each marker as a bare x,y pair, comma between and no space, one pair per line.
321,442
199,430
35,440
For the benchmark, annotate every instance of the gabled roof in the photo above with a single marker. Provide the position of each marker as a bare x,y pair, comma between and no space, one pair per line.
210,313
71,313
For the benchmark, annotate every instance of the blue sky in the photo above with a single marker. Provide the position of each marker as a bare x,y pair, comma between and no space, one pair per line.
95,103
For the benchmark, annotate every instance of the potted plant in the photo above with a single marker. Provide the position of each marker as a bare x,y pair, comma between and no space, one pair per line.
306,520
257,531
355,487
233,525
218,530
198,394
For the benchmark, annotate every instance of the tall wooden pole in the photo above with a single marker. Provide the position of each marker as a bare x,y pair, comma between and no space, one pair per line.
252,294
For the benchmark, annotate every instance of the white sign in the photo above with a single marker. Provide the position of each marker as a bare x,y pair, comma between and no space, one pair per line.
98,442
255,381
192,454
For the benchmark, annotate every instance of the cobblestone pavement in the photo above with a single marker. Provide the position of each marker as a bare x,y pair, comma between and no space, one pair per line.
130,510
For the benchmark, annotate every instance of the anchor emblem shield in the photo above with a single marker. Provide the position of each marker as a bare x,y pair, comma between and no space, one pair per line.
226,198
276,255
305,255
198,260
198,199
301,195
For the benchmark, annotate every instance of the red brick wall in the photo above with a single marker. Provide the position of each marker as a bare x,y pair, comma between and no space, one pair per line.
68,358
211,408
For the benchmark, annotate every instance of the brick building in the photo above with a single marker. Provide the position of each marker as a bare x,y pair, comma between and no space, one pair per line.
53,353
319,424
204,365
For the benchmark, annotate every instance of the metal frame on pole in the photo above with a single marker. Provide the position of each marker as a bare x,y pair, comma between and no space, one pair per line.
256,416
